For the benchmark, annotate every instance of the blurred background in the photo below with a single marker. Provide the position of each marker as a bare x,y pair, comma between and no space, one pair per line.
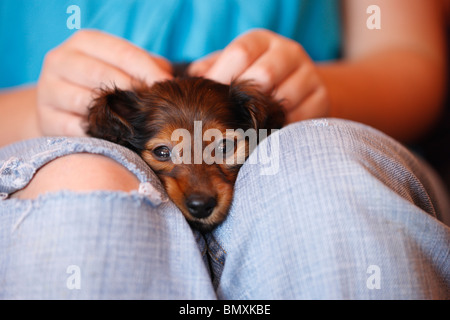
435,147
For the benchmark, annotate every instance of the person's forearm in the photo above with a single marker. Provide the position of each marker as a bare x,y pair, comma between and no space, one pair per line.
18,119
399,93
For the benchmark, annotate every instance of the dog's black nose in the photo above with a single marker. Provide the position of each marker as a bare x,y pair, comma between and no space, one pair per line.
200,205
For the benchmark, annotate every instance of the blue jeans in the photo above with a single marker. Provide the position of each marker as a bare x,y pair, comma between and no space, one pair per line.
348,214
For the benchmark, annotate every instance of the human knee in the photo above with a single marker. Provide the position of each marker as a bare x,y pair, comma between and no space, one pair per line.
331,156
308,144
79,172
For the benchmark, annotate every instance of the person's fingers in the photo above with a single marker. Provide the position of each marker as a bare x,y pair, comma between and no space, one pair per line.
315,105
121,54
87,61
303,95
85,70
62,123
199,67
238,56
300,84
66,95
163,64
274,66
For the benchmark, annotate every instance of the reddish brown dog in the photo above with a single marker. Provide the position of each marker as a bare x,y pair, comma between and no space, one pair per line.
146,118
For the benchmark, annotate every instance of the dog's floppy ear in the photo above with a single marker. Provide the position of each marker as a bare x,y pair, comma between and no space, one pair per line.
115,116
264,110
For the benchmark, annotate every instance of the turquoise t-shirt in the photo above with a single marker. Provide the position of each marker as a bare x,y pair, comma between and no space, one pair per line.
180,30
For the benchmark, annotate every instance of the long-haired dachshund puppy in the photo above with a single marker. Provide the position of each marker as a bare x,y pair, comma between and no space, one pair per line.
164,122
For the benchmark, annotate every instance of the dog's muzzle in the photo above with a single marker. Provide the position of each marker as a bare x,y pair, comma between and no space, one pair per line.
200,205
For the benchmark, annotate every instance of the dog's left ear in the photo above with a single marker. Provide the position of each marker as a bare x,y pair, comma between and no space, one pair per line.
115,116
264,110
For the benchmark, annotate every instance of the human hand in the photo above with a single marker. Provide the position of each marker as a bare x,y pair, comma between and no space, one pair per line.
274,63
87,61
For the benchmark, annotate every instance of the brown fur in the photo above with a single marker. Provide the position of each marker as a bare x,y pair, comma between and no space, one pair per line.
144,119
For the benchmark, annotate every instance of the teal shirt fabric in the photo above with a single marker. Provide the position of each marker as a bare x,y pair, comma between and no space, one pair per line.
180,30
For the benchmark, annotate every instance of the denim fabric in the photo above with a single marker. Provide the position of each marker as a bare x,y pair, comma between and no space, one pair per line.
125,245
344,212
348,204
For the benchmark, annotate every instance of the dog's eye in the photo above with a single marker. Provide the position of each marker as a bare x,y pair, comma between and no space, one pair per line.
226,147
162,153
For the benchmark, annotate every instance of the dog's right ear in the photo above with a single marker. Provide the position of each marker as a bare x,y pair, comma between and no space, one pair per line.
115,116
263,109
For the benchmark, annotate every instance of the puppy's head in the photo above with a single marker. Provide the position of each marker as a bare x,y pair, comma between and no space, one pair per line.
193,132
